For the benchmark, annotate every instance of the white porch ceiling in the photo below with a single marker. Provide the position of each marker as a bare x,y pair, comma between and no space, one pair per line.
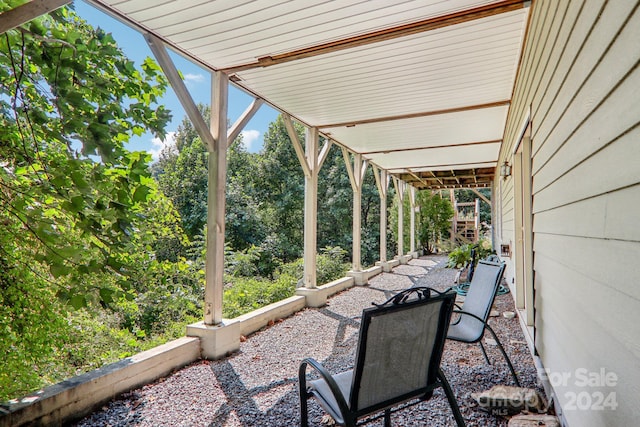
415,86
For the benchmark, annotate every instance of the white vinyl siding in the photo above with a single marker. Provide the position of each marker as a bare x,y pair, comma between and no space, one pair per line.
580,77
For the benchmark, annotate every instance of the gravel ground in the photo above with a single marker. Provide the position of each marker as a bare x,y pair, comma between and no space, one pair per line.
257,386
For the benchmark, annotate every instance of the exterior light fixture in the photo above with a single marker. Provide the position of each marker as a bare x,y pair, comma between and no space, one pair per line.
505,170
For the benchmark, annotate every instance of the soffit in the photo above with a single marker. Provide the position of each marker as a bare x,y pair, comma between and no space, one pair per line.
412,85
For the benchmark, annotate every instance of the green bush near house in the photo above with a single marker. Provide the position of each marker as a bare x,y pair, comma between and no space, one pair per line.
461,255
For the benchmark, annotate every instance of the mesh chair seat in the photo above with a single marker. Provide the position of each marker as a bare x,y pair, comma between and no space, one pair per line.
322,389
465,332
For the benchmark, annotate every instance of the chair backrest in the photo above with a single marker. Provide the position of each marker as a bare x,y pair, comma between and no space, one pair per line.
481,294
399,351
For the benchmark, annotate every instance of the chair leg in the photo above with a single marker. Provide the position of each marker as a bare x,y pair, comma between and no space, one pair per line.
504,353
304,414
452,399
304,396
484,352
387,418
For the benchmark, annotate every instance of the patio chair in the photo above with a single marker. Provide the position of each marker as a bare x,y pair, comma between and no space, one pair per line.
469,327
397,361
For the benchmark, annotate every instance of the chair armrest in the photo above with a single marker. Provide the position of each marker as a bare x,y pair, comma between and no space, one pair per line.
459,310
465,313
326,376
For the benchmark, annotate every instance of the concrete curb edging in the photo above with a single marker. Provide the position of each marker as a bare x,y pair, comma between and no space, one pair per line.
317,297
78,396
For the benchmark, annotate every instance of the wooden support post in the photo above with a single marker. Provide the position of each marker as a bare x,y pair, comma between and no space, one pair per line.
357,216
242,121
215,138
412,226
494,219
481,196
171,72
400,188
454,220
382,182
217,338
311,209
356,177
310,161
324,153
214,263
476,213
302,158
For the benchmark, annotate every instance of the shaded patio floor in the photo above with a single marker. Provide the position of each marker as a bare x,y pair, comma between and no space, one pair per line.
257,386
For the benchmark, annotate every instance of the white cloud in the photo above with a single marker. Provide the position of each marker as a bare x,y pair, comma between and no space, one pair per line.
159,145
250,139
191,79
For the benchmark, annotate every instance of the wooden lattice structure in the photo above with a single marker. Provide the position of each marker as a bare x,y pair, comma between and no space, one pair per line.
465,225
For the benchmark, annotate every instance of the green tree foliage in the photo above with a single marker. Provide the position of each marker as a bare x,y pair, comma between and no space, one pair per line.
280,188
265,198
432,219
335,209
245,228
182,175
75,204
70,97
32,321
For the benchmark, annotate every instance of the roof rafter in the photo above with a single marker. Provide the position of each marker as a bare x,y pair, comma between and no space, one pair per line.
433,147
416,177
448,166
417,115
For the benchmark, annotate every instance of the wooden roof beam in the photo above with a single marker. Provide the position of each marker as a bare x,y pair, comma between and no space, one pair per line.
453,174
448,165
422,181
433,147
502,103
437,179
26,12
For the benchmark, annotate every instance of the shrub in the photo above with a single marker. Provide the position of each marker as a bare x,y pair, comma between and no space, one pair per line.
250,262
244,294
330,266
243,263
165,293
461,255
108,341
247,294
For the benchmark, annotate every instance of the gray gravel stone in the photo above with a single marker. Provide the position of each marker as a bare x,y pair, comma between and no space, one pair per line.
257,386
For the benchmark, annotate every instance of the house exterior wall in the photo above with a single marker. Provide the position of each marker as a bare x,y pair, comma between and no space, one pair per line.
579,84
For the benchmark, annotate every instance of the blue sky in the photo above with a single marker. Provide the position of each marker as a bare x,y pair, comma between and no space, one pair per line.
197,80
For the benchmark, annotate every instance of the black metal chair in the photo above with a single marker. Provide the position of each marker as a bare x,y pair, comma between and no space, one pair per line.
397,361
474,313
